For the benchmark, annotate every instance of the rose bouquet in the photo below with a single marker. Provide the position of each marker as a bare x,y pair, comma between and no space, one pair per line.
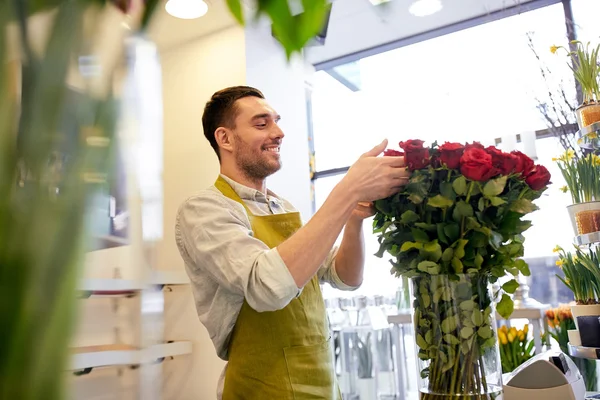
455,228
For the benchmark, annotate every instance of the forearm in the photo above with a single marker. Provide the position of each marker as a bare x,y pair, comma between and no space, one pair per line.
350,259
304,252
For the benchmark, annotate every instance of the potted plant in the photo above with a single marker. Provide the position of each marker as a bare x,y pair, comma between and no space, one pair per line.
581,271
515,347
584,64
455,229
582,175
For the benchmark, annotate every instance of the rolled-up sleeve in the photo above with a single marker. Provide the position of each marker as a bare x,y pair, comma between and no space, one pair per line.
328,274
216,236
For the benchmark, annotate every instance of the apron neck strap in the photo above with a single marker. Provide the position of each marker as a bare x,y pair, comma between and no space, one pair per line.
225,188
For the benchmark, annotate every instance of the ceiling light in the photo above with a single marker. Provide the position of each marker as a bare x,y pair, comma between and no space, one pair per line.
423,8
186,9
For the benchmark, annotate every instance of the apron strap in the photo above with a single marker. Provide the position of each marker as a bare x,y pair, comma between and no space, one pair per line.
225,188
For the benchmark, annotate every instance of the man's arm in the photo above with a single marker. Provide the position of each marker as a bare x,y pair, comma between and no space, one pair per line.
370,178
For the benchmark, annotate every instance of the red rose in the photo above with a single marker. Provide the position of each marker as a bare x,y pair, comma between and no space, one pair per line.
476,165
450,154
393,153
475,145
417,156
538,178
524,163
505,162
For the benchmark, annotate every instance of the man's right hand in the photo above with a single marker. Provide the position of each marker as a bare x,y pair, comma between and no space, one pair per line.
372,178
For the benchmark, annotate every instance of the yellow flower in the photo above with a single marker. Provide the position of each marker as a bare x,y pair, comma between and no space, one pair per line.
553,49
596,160
580,141
526,329
502,337
511,337
503,329
559,262
564,189
556,249
554,159
592,135
521,336
569,154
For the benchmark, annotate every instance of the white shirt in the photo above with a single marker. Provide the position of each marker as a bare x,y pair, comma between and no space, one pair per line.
226,263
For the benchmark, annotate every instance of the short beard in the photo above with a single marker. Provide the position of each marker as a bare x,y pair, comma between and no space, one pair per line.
254,168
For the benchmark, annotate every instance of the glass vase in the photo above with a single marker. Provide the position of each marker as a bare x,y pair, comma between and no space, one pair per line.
456,338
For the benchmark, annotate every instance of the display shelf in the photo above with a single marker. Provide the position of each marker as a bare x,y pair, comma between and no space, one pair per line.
592,353
584,141
588,238
127,287
113,355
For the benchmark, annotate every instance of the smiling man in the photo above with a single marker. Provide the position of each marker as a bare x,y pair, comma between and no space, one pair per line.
255,270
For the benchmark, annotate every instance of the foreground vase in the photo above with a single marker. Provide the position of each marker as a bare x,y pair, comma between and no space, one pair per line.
457,350
588,114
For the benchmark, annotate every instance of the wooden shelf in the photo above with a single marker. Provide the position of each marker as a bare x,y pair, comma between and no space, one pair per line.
124,287
110,355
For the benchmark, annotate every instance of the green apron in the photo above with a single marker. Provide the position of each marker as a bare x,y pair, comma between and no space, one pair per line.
284,354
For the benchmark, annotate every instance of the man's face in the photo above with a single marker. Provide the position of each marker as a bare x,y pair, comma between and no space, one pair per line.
257,138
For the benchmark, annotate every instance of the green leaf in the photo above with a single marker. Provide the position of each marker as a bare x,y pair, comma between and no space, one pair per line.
462,210
408,217
485,332
437,295
439,201
481,204
441,234
459,250
494,187
472,223
430,267
421,342
419,235
432,251
477,317
523,267
425,226
447,254
523,206
478,261
235,8
495,240
447,191
467,305
406,246
510,286
426,300
449,325
497,201
451,339
429,336
460,185
457,265
466,332
452,232
505,306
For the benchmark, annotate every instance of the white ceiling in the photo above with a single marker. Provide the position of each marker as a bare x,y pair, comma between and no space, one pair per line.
357,25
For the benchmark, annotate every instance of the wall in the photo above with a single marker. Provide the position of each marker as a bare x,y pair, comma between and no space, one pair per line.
283,84
191,74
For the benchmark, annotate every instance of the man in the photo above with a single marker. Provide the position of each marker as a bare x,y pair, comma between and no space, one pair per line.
254,268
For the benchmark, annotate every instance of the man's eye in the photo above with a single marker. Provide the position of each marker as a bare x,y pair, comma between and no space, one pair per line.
261,125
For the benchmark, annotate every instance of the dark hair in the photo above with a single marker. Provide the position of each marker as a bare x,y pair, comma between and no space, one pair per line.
221,110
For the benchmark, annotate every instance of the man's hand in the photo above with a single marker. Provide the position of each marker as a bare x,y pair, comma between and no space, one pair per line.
363,211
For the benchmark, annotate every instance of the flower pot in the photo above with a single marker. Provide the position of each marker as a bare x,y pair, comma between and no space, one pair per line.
587,114
589,330
574,338
456,346
585,217
585,310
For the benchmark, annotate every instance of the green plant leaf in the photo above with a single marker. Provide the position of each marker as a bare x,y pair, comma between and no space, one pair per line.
439,201
462,210
505,306
495,240
477,317
449,325
408,217
460,185
447,191
523,206
419,235
421,342
441,234
481,204
452,232
494,187
429,336
523,267
432,251
430,267
406,246
510,286
467,305
485,332
478,262
447,254
457,265
497,201
459,249
451,339
466,332
472,223
235,8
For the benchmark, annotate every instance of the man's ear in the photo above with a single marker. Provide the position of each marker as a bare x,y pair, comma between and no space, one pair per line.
224,138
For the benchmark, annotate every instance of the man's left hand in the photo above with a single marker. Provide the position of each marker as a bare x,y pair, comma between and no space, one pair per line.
363,211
